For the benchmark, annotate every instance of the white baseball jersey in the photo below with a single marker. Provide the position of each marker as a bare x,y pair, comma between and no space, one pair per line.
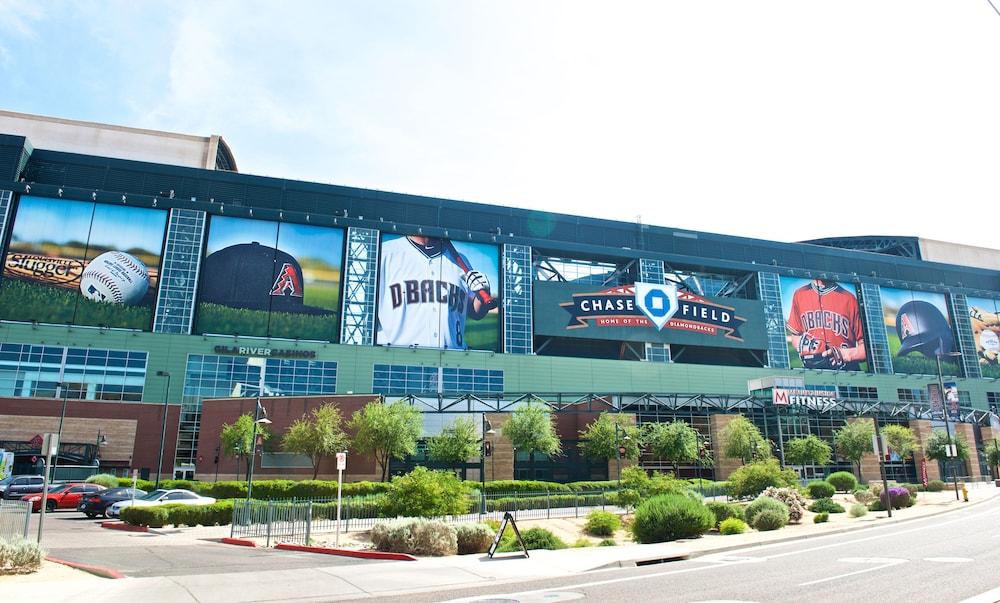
422,297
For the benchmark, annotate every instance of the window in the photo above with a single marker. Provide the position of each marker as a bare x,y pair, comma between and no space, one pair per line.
89,373
851,392
914,395
402,379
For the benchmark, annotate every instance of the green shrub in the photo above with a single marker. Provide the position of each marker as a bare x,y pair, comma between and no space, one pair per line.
863,496
602,523
426,493
826,505
607,542
935,485
724,511
912,489
843,481
554,501
770,519
732,525
473,538
523,485
858,510
876,505
415,537
669,517
154,517
820,490
535,538
762,504
821,518
581,543
218,513
103,479
593,486
750,480
792,498
20,556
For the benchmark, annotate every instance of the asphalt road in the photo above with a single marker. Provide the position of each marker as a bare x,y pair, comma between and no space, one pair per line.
950,557
69,535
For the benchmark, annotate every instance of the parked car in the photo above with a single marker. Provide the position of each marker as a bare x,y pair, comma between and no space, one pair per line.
161,497
23,484
98,503
63,496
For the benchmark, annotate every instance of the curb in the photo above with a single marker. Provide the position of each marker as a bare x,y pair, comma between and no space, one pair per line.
346,552
102,572
239,542
124,527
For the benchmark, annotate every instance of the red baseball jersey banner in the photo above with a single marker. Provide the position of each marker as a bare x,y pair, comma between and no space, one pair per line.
823,321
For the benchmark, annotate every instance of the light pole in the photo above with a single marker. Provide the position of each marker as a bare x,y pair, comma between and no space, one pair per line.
257,420
619,451
163,427
944,411
62,417
487,430
102,440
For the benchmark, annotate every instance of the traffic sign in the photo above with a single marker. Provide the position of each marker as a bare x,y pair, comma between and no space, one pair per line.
341,461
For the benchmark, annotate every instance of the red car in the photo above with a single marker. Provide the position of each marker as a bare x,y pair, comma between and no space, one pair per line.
63,496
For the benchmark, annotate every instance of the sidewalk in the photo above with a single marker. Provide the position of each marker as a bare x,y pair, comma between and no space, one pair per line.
387,578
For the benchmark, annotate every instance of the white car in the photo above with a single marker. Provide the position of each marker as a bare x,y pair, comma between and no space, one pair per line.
161,497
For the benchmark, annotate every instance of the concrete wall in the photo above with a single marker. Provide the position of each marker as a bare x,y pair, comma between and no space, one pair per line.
922,429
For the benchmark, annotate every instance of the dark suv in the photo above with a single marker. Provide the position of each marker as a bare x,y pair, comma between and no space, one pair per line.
20,485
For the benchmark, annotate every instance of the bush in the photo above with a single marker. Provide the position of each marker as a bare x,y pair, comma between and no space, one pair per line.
590,486
865,497
535,538
602,523
607,542
899,497
762,504
858,510
581,543
935,485
426,493
219,513
732,525
826,505
821,518
20,557
103,479
154,517
724,511
912,489
792,498
750,480
523,485
843,481
525,503
819,489
769,519
473,538
669,517
415,537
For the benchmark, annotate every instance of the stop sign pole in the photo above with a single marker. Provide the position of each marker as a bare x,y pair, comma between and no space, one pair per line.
341,465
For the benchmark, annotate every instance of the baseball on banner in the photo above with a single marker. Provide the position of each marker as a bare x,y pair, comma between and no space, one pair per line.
115,277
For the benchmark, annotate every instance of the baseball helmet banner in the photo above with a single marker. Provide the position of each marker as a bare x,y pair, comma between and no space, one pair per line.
984,319
919,331
263,278
823,324
84,263
438,293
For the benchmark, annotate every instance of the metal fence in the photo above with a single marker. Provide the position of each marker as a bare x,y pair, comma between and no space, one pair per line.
15,515
296,521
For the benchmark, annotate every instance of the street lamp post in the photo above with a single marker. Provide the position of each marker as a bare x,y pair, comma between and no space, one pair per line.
102,440
62,417
944,412
619,450
163,427
487,430
257,420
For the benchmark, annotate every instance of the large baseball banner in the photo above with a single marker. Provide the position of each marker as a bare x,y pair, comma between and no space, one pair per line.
984,318
919,330
823,324
84,263
438,293
266,279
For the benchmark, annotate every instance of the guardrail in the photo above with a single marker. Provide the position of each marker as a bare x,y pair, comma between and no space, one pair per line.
15,515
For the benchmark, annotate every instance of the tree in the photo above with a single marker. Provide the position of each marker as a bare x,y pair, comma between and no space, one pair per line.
317,435
854,440
387,431
901,439
676,442
237,438
742,440
599,441
456,444
937,441
993,454
809,450
531,429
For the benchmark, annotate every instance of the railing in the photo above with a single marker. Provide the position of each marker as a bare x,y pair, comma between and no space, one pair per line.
296,521
14,518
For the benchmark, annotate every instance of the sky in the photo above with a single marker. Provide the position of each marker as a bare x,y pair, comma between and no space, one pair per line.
776,119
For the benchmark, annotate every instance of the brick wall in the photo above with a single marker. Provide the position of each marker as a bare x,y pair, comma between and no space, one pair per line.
922,428
965,431
724,466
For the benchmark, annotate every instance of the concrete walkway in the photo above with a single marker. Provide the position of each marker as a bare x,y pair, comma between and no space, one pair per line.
387,578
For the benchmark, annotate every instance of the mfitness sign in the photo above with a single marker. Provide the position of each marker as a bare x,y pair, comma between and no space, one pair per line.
648,305
814,396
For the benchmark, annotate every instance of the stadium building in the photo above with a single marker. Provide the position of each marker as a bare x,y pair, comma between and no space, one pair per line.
147,283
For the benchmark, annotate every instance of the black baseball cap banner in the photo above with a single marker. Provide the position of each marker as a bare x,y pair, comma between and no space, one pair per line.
82,263
984,318
919,330
823,324
270,279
